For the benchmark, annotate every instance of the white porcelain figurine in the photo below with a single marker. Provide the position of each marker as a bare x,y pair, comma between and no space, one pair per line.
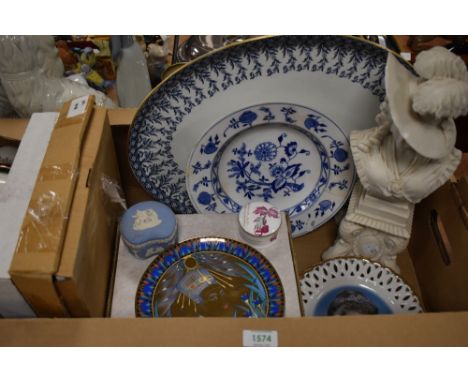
31,74
406,157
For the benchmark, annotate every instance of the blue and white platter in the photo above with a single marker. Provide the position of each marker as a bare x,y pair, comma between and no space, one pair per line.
339,79
288,155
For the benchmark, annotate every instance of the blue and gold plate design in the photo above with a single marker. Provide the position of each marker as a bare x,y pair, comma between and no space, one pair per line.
210,277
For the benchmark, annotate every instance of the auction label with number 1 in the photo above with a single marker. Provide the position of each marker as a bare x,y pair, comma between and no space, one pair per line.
77,106
260,338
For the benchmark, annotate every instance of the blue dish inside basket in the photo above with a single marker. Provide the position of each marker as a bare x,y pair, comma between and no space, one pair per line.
348,300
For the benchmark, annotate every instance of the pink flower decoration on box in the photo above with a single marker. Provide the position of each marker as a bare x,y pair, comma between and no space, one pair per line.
260,220
270,212
262,230
261,226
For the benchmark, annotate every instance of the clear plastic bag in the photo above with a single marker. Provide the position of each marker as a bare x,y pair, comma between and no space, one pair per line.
31,74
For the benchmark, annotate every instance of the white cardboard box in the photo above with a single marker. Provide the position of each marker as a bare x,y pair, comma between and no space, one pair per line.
14,201
129,269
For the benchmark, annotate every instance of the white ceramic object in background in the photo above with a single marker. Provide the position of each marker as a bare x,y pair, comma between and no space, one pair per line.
133,81
288,155
355,286
31,74
156,56
259,223
339,77
406,158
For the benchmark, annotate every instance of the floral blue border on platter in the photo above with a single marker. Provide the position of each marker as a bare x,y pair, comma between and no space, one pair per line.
266,283
296,149
150,139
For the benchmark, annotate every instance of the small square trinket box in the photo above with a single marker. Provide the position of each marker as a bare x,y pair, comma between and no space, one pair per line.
148,228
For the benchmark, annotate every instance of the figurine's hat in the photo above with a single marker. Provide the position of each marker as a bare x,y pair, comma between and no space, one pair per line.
431,136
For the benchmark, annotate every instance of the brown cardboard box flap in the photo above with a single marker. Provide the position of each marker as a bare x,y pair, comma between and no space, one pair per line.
121,116
439,248
42,234
430,329
84,269
13,129
42,292
460,188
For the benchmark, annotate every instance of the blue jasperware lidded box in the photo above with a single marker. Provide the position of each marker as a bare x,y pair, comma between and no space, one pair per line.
148,228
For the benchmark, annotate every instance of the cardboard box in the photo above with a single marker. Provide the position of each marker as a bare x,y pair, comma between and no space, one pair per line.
84,271
443,289
15,196
39,246
64,255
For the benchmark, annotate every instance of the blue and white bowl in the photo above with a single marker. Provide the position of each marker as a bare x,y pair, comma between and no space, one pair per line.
349,286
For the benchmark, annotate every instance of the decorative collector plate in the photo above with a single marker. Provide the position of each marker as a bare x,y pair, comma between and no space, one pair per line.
348,286
210,277
338,78
288,155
